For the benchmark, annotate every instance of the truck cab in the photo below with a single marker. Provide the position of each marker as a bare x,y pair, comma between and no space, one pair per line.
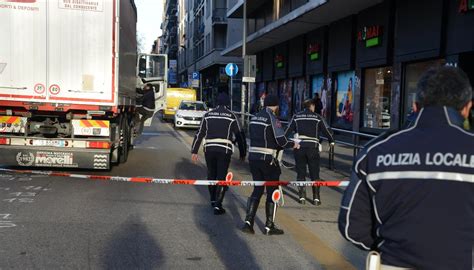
153,69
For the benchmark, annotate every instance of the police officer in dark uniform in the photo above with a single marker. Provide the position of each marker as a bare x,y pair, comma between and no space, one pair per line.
307,126
145,106
218,128
267,137
411,194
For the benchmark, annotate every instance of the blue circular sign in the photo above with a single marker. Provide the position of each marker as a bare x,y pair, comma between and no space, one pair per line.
231,69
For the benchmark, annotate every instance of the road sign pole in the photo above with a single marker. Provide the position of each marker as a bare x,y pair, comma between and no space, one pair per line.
248,102
244,52
231,70
200,86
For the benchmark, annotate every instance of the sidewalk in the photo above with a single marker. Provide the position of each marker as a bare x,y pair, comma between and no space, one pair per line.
342,161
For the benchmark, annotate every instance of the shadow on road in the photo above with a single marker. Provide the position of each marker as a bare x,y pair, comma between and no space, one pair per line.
132,247
223,232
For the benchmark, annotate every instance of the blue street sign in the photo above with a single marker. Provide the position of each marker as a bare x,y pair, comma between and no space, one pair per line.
231,69
195,75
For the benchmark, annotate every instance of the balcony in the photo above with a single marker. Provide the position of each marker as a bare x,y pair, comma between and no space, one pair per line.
198,32
308,17
173,32
236,7
198,4
171,6
219,16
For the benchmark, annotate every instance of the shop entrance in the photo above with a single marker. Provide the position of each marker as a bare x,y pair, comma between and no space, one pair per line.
466,63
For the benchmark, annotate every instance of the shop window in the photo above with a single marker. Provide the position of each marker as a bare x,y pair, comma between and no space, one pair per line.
300,94
260,97
284,89
344,92
413,73
272,88
319,88
377,97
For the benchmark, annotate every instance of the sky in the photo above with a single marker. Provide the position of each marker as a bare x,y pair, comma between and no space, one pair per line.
149,20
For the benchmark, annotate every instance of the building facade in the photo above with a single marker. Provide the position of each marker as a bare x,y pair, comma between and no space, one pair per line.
204,30
363,58
170,43
157,46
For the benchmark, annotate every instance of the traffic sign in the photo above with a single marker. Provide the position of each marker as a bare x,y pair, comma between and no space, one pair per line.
248,79
195,76
231,69
276,195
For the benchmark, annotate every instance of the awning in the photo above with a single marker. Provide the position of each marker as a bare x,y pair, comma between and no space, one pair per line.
314,14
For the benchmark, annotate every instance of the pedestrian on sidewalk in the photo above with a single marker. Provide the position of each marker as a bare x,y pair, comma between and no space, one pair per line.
267,137
217,129
318,104
146,107
411,193
307,126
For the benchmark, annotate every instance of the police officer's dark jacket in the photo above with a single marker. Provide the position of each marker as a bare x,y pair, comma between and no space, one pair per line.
266,136
218,127
308,125
411,195
147,101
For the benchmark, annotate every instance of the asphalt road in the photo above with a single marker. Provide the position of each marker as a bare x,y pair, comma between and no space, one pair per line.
56,222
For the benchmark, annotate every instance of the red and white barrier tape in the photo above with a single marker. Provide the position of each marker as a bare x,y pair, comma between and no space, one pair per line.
228,182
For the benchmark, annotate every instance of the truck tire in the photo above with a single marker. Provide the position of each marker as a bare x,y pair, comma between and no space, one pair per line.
133,132
114,158
124,139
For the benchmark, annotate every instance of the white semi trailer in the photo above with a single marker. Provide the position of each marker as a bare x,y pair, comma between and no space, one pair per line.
68,82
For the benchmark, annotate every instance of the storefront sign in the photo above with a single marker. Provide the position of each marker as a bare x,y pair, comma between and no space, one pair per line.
371,35
466,5
314,51
279,61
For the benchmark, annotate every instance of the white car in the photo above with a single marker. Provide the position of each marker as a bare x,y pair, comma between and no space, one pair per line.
190,114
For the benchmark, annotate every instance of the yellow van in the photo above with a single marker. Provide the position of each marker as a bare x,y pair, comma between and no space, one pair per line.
174,96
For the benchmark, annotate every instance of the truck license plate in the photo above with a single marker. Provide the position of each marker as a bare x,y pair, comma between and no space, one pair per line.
55,143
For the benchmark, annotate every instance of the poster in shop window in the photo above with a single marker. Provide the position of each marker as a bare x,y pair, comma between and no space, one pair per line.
299,94
344,87
319,87
260,97
272,88
285,99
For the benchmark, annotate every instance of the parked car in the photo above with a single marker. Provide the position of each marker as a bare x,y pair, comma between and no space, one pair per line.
174,96
190,114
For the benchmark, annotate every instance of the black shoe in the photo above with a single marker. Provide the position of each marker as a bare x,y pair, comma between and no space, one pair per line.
248,228
220,192
270,228
316,196
219,210
273,230
252,206
317,202
302,195
302,200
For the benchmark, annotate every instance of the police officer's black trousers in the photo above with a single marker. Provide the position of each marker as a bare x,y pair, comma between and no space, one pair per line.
264,171
217,167
307,157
